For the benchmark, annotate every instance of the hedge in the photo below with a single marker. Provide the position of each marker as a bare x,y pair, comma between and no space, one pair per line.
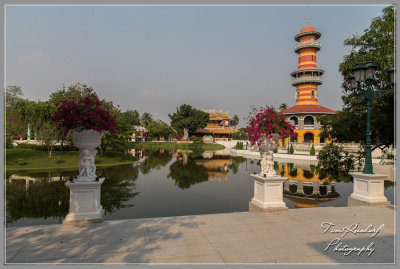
239,145
44,147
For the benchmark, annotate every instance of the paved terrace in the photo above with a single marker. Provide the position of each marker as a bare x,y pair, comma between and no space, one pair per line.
293,236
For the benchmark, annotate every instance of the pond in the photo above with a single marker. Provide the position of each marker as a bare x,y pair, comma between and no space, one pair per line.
170,183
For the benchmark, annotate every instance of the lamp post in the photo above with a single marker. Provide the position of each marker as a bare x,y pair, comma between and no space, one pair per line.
363,83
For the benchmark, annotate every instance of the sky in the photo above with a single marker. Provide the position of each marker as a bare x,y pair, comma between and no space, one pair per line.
155,58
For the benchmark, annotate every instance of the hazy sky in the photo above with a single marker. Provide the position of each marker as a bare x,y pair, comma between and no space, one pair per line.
155,58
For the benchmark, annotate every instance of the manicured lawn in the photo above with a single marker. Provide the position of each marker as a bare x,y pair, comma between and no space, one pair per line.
174,145
40,160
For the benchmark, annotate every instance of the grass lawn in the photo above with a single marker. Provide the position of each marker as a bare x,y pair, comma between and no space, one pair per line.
174,145
40,160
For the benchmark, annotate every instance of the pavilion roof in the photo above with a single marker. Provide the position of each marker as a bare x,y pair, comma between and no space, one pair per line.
308,109
216,130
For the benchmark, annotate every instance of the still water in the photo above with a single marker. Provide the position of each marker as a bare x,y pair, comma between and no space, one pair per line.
170,183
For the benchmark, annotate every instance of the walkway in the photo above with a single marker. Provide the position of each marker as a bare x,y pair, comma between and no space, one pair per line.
293,236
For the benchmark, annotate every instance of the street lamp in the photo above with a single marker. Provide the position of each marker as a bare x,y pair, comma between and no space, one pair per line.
363,83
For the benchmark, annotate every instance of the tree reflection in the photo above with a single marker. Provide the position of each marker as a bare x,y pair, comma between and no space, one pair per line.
186,175
39,199
155,160
236,161
48,197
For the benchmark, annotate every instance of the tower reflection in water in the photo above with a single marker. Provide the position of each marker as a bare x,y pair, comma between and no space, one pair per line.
304,187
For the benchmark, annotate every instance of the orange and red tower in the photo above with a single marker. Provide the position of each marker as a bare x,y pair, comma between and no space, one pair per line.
306,79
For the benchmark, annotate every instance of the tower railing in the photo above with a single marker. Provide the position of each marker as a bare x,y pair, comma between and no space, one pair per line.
311,79
307,44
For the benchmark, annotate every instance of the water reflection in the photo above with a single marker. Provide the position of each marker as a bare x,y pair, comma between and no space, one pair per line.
304,186
36,198
186,172
45,196
169,183
155,160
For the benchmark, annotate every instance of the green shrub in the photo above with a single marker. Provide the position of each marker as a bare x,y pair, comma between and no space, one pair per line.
21,161
291,150
240,135
312,168
239,145
334,161
275,150
312,151
196,139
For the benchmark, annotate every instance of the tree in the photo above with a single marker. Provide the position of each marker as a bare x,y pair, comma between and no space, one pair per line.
234,121
14,124
74,92
119,140
48,135
376,44
24,112
12,95
158,128
283,106
240,134
146,119
131,117
187,119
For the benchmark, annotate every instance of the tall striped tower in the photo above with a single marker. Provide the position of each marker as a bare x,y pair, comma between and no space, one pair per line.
306,79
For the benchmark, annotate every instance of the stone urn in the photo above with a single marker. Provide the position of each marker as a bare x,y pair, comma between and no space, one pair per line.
266,153
87,141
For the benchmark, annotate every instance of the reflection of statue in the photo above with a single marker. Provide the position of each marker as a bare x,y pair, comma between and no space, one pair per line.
87,168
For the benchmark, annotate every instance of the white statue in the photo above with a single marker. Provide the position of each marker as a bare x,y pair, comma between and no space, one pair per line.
266,153
87,169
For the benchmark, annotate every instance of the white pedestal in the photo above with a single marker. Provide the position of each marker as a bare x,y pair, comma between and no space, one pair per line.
268,193
369,188
84,202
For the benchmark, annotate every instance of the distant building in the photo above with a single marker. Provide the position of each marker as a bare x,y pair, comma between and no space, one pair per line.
139,133
218,127
306,79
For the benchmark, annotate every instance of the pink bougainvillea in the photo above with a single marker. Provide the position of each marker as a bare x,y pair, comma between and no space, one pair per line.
267,122
85,114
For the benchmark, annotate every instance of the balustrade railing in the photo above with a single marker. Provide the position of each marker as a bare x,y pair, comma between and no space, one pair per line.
305,44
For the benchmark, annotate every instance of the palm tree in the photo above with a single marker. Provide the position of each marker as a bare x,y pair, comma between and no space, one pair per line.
146,119
234,121
283,106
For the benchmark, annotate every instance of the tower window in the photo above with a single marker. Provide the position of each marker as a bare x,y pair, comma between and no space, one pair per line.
313,94
297,95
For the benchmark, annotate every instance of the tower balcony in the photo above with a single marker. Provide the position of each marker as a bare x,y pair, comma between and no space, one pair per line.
312,79
307,44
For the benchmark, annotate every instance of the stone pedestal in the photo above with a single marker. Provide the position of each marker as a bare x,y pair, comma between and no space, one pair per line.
268,193
84,202
369,188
